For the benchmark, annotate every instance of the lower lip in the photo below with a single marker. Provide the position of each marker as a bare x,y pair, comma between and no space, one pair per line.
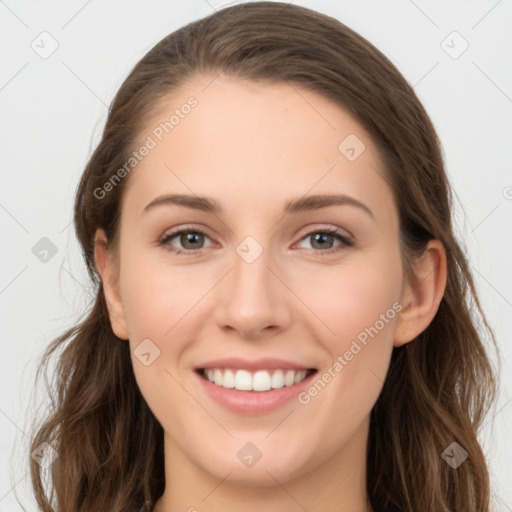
253,402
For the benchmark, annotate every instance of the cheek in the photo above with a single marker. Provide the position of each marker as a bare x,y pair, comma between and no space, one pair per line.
359,305
156,297
157,302
351,299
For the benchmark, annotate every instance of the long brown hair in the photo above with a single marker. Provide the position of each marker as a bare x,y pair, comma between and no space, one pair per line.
439,386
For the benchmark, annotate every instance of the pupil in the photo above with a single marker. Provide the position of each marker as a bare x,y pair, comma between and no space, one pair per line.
319,237
189,237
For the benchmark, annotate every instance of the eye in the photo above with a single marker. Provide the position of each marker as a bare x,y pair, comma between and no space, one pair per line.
323,239
191,240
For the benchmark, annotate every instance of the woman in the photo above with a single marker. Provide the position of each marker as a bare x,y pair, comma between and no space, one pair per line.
225,365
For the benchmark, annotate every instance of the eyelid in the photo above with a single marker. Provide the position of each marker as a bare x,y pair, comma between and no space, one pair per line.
186,227
329,228
305,231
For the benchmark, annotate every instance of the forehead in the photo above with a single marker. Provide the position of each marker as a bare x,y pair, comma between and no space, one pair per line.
254,143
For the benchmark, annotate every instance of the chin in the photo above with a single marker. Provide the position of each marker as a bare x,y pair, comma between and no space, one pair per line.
274,465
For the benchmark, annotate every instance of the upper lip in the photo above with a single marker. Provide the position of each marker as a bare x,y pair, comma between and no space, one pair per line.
236,363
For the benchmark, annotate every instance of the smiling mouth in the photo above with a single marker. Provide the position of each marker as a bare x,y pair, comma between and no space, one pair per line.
261,380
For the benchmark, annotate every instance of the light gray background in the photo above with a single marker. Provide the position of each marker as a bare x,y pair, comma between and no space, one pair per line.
53,110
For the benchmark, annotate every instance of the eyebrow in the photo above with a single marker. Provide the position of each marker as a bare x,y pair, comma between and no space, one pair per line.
307,203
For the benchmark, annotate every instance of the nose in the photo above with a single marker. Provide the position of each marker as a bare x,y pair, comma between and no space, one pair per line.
254,302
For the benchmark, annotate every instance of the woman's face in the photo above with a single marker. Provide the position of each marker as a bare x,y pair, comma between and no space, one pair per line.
270,295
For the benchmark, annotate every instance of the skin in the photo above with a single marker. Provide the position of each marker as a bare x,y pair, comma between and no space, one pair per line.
252,147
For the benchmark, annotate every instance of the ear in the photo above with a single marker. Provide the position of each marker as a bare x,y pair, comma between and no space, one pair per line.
109,273
421,297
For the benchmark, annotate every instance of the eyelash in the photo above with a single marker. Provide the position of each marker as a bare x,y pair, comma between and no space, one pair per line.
347,242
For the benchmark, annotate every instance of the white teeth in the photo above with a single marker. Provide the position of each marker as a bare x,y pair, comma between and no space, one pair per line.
243,380
289,378
262,380
277,379
229,379
299,376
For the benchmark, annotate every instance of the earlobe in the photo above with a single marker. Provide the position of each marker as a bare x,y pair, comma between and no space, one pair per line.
422,296
110,280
